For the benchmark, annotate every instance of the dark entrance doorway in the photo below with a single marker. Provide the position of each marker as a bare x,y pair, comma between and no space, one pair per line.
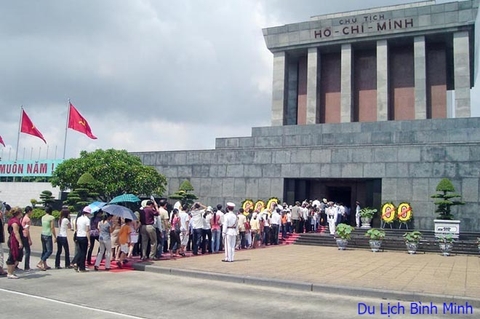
339,194
345,190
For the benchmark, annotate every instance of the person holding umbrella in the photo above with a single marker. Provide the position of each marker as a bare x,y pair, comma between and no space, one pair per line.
105,229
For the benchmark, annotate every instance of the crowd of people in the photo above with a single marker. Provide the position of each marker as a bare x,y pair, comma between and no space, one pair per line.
155,231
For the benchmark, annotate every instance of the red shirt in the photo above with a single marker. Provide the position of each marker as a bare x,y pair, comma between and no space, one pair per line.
150,213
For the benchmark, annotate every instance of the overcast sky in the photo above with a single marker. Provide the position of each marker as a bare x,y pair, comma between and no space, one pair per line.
146,74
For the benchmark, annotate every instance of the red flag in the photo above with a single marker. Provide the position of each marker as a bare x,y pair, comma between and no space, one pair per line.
78,123
1,141
28,127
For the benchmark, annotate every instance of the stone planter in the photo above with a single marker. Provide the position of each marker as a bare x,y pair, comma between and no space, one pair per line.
365,222
375,245
412,247
341,243
445,248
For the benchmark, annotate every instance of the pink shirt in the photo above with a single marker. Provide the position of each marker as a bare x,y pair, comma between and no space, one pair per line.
215,221
26,223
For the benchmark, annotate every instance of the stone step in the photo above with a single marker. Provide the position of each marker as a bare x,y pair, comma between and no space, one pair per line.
393,241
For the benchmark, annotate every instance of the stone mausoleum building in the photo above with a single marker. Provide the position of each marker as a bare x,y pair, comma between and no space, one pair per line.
370,105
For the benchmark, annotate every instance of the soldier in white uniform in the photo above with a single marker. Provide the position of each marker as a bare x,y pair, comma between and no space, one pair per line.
331,212
229,231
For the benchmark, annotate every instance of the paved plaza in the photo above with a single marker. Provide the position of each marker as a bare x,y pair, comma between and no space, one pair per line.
359,272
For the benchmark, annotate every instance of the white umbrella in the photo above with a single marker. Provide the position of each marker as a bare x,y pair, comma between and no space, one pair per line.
118,210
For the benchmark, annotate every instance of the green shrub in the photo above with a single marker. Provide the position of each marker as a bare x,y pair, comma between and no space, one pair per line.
375,234
38,213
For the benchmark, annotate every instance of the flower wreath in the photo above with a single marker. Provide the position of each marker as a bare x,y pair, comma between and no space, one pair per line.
404,212
388,213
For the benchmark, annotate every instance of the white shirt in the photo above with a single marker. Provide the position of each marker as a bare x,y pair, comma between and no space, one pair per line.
183,220
289,217
197,218
275,219
304,213
230,224
331,213
64,225
206,221
83,226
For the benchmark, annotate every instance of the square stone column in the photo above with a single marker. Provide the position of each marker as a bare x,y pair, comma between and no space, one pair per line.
313,80
346,88
279,88
382,80
461,57
420,78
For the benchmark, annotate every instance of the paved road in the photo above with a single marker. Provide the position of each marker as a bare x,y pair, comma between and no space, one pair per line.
64,293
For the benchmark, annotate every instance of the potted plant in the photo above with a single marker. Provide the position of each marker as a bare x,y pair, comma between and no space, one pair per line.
445,243
411,240
366,215
445,199
376,236
343,233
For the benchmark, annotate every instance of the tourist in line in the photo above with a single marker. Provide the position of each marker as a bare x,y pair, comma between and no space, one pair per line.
116,225
215,224
62,238
275,221
94,234
83,238
27,240
184,229
163,216
255,229
2,240
197,225
175,242
207,231
15,242
123,240
134,237
104,230
242,219
48,237
147,229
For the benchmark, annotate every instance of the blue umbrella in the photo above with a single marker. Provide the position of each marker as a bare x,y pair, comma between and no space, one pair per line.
96,206
119,210
125,198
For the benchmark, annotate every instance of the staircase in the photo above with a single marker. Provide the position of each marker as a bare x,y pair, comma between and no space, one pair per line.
393,240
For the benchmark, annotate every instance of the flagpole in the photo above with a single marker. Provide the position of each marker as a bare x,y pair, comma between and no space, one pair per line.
66,130
19,128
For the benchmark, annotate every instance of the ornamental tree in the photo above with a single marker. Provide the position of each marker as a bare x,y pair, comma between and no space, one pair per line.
115,171
445,199
184,193
46,198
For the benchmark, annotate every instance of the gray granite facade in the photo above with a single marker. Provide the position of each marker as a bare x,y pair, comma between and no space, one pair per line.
395,161
354,30
409,157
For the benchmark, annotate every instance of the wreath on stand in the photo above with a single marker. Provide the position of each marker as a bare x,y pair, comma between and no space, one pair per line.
388,214
404,214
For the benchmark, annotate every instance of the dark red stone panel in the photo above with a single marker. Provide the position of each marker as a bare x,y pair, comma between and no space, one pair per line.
436,81
402,83
365,86
302,91
330,88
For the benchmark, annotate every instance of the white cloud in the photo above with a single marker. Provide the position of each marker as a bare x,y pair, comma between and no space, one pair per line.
147,75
